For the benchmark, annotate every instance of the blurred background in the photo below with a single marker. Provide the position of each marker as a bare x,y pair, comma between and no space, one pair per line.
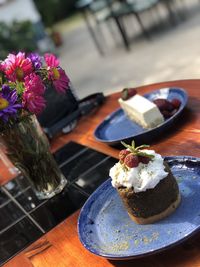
106,45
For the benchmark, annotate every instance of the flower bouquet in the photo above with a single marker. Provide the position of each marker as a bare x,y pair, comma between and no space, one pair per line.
23,81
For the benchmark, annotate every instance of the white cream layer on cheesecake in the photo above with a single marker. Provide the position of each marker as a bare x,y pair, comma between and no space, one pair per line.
142,111
140,178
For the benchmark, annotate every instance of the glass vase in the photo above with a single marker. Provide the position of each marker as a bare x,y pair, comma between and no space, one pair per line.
28,149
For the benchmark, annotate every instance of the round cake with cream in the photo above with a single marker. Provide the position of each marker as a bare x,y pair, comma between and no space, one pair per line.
145,184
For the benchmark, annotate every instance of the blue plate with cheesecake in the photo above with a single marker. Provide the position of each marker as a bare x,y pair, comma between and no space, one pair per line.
119,127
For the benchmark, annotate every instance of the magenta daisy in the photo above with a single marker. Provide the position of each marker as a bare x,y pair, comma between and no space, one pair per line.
8,103
32,98
34,83
56,74
33,102
16,67
59,79
51,60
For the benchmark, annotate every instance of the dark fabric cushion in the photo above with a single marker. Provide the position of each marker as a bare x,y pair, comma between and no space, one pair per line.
58,106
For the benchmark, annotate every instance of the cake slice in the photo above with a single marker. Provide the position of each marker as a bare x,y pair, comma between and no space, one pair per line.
142,111
145,184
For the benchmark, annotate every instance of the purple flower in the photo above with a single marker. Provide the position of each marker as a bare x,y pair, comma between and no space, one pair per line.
8,103
36,60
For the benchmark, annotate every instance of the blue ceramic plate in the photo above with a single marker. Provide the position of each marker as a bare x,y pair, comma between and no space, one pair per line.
105,228
117,126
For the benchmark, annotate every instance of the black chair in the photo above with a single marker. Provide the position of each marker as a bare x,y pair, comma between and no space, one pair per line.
115,10
176,10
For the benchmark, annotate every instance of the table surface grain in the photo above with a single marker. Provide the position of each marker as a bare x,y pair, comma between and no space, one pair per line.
61,246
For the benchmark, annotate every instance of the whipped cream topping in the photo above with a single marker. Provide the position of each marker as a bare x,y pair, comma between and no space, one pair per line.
141,178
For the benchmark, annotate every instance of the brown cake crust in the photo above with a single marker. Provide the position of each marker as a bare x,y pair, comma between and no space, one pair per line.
159,216
152,204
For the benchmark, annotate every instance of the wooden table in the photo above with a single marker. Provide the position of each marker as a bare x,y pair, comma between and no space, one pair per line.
61,246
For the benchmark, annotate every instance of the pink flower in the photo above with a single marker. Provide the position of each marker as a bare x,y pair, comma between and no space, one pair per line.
34,83
59,79
51,60
34,103
16,67
32,98
56,74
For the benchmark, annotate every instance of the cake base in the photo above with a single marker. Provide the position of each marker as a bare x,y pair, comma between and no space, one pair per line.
157,217
152,204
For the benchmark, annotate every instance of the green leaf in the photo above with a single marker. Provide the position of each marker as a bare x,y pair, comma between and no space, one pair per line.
124,144
132,149
133,144
143,154
19,88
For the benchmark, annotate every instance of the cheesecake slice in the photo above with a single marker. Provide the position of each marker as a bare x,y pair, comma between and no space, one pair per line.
142,111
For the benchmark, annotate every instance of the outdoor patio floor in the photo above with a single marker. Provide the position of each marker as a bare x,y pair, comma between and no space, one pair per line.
173,53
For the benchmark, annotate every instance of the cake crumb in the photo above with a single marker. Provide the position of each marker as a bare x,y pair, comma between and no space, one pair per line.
136,242
155,235
145,240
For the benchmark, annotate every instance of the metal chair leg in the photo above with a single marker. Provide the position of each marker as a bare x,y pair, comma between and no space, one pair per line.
145,32
123,32
92,33
169,8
